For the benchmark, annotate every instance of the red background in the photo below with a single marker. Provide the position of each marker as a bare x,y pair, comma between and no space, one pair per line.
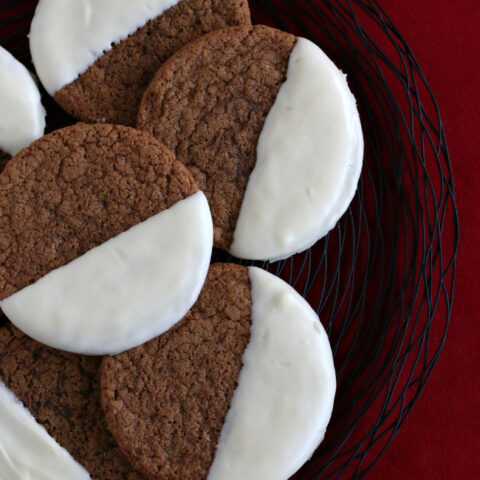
440,439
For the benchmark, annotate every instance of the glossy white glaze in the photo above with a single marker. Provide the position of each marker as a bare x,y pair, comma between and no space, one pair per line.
124,292
284,399
309,159
67,36
27,452
22,116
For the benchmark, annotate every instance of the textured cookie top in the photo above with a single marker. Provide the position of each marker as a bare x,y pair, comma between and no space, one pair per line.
75,189
62,393
101,67
209,102
165,402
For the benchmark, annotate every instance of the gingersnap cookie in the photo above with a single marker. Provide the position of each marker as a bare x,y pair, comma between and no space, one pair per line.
22,116
97,57
62,392
106,239
248,370
268,127
27,449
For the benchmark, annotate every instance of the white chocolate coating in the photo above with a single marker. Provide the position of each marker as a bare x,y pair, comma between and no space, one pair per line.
27,452
309,159
284,399
22,116
124,292
68,36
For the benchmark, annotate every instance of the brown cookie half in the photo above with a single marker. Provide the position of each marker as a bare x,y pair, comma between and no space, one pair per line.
62,392
166,401
111,89
76,188
209,102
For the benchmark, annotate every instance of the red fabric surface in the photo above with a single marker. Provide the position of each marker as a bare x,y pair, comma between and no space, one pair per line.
441,436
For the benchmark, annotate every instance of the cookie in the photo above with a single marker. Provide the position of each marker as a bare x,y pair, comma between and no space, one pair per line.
27,449
248,370
189,377
96,58
22,116
61,391
106,239
268,127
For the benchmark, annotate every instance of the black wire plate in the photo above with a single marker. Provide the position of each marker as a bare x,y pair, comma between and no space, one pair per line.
382,280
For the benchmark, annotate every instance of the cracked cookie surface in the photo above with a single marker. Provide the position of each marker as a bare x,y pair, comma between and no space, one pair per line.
208,104
62,392
166,401
111,89
75,189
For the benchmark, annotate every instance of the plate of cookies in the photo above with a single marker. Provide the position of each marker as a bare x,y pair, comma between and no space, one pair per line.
212,259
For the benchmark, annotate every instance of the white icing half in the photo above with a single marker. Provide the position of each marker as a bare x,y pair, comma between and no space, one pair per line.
124,292
309,159
22,116
284,399
67,36
27,452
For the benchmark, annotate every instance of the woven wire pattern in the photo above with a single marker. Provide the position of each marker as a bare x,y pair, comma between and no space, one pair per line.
382,281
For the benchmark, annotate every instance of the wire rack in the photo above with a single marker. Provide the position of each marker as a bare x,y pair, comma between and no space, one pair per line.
382,280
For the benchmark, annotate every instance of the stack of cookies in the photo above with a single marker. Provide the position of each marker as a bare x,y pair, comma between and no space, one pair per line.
127,355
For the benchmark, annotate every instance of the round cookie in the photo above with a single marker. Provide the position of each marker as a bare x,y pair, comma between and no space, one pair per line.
250,366
96,58
61,391
189,376
269,129
22,116
106,240
209,102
